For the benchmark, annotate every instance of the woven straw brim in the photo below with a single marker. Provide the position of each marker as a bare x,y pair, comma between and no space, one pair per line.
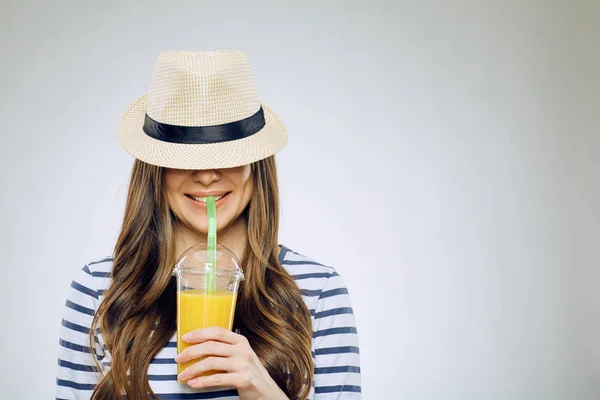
266,142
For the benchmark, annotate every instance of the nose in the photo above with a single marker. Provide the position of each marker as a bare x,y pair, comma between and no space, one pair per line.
206,176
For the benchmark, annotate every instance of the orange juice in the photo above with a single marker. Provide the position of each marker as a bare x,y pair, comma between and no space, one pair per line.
198,309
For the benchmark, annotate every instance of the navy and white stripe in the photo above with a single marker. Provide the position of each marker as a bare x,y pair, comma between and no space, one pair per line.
334,347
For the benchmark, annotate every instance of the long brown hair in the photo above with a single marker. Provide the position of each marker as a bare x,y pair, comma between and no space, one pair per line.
141,300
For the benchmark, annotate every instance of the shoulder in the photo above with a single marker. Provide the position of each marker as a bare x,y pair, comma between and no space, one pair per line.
301,267
99,267
94,277
324,292
314,279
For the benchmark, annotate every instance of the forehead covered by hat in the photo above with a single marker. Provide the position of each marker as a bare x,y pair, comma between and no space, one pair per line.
202,112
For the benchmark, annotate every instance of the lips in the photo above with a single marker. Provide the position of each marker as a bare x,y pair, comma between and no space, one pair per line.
204,199
200,201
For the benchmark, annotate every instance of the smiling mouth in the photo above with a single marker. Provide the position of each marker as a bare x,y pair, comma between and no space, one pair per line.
204,199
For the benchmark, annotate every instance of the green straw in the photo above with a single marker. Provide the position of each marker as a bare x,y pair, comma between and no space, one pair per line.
211,256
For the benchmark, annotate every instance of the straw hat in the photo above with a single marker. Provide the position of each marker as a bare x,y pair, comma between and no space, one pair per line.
202,112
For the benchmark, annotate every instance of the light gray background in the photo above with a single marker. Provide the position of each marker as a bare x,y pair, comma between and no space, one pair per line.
443,156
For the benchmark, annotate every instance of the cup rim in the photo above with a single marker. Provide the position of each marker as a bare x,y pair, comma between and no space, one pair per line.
179,270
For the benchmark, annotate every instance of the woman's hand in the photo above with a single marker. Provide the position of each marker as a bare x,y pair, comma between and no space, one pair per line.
234,361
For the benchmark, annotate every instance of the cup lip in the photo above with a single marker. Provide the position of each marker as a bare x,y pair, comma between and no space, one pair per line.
178,270
237,273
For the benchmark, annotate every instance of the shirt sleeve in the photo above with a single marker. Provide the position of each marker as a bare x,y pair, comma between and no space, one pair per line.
337,360
77,374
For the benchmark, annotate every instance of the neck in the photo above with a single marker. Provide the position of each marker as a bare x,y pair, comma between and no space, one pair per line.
234,237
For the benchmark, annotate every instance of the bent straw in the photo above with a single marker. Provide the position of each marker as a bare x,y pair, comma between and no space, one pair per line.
211,256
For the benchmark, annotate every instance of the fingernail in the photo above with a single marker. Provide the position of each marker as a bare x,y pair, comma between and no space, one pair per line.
176,358
192,382
186,336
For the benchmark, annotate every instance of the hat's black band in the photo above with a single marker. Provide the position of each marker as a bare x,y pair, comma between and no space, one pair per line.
205,134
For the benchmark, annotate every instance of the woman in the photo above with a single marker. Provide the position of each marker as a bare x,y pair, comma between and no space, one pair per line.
201,131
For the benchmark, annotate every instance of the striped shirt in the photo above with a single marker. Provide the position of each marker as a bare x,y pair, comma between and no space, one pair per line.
334,344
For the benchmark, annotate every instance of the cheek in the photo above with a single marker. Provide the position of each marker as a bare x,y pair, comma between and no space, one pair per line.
170,198
172,182
171,202
248,189
244,181
248,186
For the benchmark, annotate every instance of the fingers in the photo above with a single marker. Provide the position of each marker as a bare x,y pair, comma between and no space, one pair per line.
209,348
222,351
238,380
212,333
205,365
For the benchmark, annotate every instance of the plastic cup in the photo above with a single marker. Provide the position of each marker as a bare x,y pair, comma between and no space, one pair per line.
198,306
